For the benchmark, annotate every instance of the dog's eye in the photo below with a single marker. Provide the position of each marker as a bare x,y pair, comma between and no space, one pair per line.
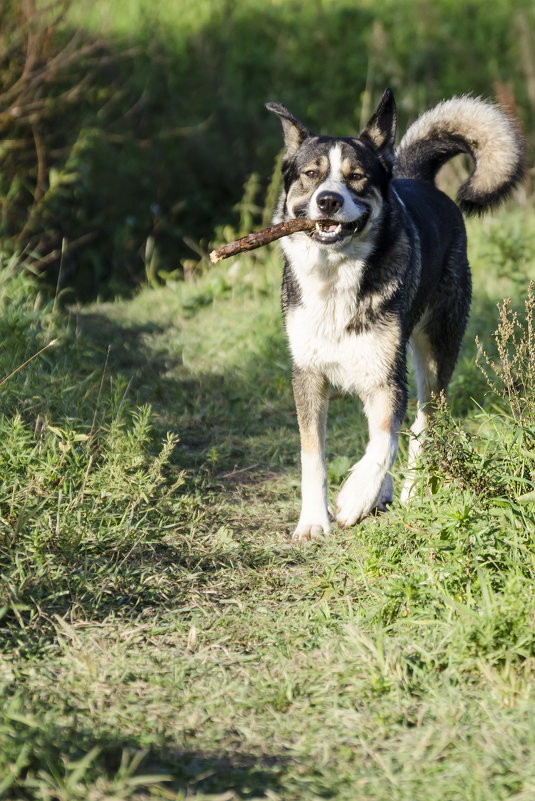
355,176
311,173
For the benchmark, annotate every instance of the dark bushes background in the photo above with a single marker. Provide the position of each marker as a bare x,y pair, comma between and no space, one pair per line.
123,154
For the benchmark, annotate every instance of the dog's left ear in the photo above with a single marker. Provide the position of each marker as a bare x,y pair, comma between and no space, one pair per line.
380,132
294,131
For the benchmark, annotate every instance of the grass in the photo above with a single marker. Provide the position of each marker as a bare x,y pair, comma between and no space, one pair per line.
160,635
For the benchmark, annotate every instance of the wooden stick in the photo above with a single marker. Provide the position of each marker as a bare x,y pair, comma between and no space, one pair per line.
260,238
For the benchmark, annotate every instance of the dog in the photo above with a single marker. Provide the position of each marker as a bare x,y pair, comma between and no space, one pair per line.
385,267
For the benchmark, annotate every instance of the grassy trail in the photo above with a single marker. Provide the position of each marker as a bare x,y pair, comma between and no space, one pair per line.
161,637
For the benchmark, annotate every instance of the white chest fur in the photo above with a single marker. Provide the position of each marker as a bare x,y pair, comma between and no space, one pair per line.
320,340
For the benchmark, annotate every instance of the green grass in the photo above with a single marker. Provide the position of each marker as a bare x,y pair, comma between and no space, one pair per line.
160,635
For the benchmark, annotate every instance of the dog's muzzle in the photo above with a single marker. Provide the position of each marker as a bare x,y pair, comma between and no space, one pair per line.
327,232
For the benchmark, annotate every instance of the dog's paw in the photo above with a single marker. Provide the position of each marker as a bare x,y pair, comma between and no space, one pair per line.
314,522
311,533
307,531
350,510
358,497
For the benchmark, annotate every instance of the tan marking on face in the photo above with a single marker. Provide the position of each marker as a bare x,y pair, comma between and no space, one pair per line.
321,163
353,172
302,190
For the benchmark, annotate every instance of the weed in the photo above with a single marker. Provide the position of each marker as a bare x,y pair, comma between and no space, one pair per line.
512,375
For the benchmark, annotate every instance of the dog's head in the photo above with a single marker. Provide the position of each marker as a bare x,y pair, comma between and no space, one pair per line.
338,181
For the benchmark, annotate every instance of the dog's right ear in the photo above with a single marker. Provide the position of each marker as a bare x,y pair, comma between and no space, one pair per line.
294,131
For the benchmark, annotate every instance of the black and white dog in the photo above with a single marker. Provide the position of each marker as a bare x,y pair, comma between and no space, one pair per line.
385,267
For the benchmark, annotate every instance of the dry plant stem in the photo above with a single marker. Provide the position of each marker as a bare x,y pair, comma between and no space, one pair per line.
511,375
260,238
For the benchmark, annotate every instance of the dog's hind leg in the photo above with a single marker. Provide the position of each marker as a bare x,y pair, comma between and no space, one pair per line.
427,385
435,348
311,402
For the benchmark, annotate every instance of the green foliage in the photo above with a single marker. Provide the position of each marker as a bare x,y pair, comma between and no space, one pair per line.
130,128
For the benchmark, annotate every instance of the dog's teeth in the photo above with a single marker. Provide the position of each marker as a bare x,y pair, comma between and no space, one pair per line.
328,227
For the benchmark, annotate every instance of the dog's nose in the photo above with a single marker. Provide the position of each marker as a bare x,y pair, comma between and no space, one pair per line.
329,202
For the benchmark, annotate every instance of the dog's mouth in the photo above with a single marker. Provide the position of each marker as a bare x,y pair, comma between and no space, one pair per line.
330,231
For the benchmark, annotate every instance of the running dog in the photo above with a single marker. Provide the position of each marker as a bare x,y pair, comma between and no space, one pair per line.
386,267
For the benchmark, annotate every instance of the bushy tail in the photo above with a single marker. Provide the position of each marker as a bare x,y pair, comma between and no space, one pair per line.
465,125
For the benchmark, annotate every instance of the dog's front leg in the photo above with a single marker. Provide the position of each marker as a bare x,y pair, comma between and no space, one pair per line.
311,402
369,483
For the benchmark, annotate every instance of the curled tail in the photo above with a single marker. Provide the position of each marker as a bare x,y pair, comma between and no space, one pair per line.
465,125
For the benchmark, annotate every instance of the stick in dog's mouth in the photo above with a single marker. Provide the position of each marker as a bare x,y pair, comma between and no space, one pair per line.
260,238
324,231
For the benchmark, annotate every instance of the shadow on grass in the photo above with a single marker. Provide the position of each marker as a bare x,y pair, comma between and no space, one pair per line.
126,762
234,430
230,420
